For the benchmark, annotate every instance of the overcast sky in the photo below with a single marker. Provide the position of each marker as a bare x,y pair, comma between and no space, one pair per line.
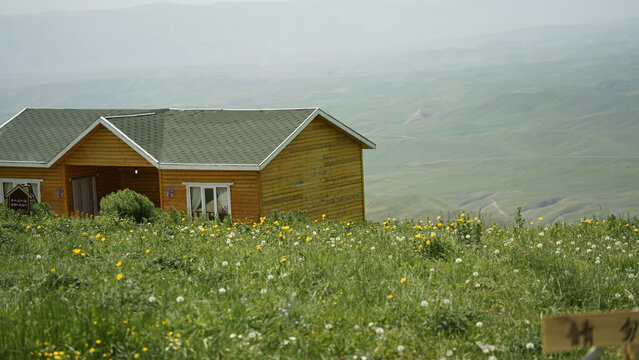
15,7
557,11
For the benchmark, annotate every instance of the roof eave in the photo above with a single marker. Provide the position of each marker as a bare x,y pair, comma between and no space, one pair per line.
32,164
192,166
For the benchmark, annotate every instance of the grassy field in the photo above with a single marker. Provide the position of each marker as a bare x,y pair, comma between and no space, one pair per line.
455,288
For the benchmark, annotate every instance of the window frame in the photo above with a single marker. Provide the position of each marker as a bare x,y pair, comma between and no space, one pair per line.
202,187
17,181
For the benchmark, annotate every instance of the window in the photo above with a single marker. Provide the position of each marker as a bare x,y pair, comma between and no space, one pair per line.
8,184
209,199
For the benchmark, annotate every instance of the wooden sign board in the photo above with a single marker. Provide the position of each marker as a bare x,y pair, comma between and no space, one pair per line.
19,199
571,332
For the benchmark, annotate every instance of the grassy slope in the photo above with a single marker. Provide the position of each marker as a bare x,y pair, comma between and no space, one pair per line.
299,289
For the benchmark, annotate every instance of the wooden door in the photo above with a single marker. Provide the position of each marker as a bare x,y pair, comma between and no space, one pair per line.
85,195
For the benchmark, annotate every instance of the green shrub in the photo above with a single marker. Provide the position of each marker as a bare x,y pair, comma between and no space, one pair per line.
127,204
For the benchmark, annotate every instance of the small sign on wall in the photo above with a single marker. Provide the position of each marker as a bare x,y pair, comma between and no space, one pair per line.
59,192
170,193
19,199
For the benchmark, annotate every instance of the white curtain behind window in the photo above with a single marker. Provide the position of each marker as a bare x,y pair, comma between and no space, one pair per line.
222,200
196,201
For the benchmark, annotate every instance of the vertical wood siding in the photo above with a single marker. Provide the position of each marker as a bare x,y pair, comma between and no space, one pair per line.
52,180
320,171
102,148
245,204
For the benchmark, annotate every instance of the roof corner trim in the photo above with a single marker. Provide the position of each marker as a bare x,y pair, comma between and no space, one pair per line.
288,139
104,122
13,117
120,134
345,128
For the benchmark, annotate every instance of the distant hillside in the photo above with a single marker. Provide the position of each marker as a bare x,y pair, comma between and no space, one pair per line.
545,118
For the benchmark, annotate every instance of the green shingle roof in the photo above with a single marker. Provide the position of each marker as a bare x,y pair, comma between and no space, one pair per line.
168,138
37,135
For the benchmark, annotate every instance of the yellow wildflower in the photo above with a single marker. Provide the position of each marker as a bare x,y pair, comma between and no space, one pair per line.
76,251
119,276
118,264
389,297
403,280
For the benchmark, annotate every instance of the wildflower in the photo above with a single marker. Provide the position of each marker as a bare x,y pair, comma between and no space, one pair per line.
541,233
222,290
119,276
449,352
403,280
400,348
458,260
118,264
263,291
98,341
446,301
144,349
617,295
38,257
232,336
389,297
328,326
224,263
283,260
372,248
179,299
424,303
540,245
76,251
269,277
475,273
479,324
530,346
53,270
379,331
151,298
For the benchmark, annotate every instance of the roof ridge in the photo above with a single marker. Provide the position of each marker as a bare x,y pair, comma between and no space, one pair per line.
255,109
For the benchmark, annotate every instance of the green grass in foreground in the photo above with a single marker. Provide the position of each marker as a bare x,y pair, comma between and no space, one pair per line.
456,289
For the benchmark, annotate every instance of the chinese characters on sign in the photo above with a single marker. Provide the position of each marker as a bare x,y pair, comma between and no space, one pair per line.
629,330
19,199
577,334
582,331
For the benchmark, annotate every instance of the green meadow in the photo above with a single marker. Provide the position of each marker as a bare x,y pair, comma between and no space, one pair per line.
453,287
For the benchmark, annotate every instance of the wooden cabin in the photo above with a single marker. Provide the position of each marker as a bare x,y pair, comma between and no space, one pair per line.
239,163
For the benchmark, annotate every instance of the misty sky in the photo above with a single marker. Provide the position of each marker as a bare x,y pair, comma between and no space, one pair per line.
506,14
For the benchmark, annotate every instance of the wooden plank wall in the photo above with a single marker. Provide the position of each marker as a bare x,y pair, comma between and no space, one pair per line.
102,148
245,205
320,171
146,182
52,180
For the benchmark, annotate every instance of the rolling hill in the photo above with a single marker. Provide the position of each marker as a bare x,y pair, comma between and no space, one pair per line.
542,118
